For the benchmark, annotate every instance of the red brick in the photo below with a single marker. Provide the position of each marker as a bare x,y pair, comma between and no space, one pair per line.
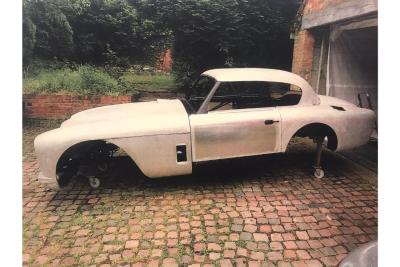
329,242
289,254
250,228
225,263
63,106
276,237
214,247
288,236
315,244
132,244
228,253
265,228
303,255
278,228
257,255
274,256
276,246
290,245
260,237
302,235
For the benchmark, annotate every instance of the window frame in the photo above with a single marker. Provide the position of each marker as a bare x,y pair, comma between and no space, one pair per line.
204,106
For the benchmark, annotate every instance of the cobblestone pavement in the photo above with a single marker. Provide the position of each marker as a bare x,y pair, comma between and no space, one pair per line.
265,211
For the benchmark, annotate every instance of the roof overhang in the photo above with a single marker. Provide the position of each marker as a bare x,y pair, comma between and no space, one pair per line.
339,11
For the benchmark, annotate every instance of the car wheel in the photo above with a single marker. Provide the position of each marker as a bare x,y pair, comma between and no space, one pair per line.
94,182
102,167
319,173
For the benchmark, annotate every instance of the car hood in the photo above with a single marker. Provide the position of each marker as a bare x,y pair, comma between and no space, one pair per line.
129,111
123,120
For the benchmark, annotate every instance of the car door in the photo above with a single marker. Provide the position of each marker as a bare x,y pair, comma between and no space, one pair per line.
235,133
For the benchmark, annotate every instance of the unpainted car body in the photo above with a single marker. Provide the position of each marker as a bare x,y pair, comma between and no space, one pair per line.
164,138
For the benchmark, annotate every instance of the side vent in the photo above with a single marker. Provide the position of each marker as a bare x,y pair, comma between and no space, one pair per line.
181,153
338,108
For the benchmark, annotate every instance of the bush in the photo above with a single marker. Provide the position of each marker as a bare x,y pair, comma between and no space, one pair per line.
95,81
86,80
89,80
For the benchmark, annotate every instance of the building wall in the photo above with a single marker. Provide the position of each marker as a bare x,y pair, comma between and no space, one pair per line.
313,6
165,61
316,18
323,12
307,41
63,106
303,54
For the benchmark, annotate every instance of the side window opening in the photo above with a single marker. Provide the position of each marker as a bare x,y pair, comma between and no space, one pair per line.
253,94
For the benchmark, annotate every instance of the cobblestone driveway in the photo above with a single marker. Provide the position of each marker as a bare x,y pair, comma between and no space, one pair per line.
268,211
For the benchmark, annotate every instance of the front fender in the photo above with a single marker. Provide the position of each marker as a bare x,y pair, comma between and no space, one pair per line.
49,147
156,155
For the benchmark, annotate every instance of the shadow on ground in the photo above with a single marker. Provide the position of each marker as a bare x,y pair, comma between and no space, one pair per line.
294,165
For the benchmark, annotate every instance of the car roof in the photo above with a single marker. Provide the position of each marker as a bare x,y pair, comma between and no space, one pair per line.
265,75
250,74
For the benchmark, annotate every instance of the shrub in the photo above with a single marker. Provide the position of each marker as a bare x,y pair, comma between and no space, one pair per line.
85,80
89,80
95,81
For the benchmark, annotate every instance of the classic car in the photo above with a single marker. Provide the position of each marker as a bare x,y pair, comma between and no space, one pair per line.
365,255
228,113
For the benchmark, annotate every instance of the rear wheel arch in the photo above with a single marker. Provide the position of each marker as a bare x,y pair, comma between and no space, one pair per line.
313,130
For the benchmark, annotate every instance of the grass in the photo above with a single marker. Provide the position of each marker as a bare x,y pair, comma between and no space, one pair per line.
88,80
150,82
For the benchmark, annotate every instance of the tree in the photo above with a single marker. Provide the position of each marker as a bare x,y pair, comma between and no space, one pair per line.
98,32
28,40
115,27
227,33
53,31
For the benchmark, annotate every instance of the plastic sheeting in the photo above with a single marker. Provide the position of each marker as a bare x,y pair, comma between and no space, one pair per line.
352,62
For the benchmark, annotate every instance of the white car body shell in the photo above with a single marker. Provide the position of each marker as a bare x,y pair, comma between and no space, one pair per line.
149,132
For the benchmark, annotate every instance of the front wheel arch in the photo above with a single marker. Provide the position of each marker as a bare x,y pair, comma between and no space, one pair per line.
81,150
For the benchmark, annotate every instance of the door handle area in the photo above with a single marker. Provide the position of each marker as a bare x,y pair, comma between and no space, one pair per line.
269,122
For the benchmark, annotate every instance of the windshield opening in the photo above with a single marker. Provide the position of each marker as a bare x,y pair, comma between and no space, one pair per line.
200,91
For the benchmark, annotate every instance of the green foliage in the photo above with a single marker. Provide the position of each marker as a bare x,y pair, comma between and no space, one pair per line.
98,32
204,34
89,80
227,33
94,81
149,81
53,31
29,39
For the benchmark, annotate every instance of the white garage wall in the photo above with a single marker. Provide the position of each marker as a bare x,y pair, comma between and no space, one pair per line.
352,62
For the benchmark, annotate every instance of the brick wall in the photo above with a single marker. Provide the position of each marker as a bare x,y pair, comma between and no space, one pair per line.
165,61
318,5
303,54
304,40
63,106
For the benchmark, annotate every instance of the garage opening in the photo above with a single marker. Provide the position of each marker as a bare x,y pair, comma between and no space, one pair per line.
353,63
